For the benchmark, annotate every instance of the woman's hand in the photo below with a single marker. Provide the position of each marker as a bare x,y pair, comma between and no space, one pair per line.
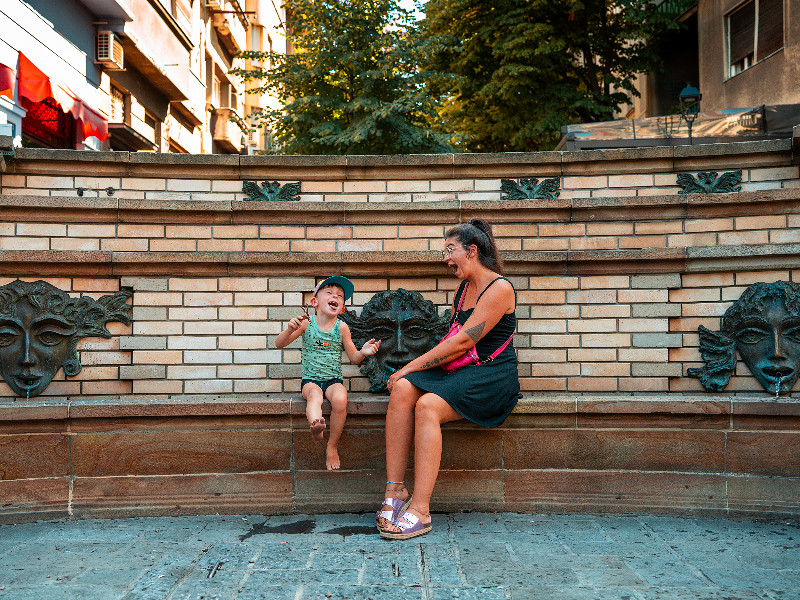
395,377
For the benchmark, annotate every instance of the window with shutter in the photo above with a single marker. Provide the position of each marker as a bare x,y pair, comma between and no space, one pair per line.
755,31
770,27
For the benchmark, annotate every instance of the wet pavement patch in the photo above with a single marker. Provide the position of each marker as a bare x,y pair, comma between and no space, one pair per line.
298,527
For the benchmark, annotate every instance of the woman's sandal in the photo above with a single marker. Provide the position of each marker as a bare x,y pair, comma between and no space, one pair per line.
390,516
410,526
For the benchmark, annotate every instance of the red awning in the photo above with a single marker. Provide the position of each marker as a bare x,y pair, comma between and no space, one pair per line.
8,79
36,86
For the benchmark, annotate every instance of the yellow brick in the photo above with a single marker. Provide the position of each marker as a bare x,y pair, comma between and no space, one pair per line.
205,313
282,232
605,340
597,243
545,244
157,357
704,309
313,246
156,386
605,281
592,325
96,231
592,355
743,238
364,187
750,278
562,229
35,229
243,342
633,296
591,296
235,231
605,369
259,299
188,231
157,299
694,295
609,229
220,245
592,384
690,280
124,245
707,225
207,299
140,231
540,297
20,243
173,245
70,244
762,222
595,311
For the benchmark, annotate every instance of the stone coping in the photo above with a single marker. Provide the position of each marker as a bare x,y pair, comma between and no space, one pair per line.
701,259
66,209
415,166
104,407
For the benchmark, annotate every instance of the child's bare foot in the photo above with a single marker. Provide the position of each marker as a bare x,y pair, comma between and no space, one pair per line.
318,428
332,459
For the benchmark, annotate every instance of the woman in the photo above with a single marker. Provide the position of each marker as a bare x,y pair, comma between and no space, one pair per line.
423,395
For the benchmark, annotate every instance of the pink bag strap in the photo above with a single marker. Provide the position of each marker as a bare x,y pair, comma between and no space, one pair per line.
461,298
497,352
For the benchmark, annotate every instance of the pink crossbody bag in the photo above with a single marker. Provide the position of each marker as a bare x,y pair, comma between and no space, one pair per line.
470,357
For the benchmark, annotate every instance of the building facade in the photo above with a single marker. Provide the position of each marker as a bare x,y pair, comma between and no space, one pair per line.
133,75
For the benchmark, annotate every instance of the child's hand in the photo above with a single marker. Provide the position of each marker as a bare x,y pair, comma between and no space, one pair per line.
370,347
295,322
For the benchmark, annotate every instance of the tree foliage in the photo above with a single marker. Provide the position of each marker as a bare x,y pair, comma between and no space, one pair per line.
351,86
510,73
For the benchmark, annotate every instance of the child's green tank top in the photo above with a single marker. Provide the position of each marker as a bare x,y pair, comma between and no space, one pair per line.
322,352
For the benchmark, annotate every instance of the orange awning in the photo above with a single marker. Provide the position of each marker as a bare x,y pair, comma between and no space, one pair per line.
35,85
8,79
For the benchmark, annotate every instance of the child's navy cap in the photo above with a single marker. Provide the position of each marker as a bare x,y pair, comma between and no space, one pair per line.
341,281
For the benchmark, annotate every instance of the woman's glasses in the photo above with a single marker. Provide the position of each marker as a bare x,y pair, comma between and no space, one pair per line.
448,251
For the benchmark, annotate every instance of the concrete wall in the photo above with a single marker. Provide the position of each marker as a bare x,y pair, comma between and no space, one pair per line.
748,88
192,408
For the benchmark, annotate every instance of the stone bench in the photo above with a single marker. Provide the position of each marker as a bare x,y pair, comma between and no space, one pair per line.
106,456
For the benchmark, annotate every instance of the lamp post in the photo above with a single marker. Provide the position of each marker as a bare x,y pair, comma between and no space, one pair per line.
690,98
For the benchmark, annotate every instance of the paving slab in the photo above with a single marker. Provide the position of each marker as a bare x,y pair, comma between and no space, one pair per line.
468,556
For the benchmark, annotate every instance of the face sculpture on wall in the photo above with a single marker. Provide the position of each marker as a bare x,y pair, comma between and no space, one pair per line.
407,325
40,327
763,325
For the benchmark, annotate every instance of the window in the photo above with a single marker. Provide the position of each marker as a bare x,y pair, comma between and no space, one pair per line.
215,91
117,105
755,31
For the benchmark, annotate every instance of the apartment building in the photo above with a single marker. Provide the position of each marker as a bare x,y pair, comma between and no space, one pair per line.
135,75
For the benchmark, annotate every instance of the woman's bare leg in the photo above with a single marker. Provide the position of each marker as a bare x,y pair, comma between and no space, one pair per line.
399,434
429,414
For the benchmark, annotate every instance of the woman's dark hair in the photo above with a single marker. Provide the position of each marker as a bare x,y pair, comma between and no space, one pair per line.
479,232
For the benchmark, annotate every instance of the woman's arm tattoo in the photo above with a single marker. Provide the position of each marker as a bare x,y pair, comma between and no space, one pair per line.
474,333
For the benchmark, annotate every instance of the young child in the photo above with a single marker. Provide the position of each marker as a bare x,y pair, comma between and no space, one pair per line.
324,337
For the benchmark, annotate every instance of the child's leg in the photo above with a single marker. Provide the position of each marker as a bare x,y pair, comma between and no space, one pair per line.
337,396
313,396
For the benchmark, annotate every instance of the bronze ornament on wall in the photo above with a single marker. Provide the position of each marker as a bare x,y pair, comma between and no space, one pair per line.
531,189
763,326
40,327
271,191
407,325
709,182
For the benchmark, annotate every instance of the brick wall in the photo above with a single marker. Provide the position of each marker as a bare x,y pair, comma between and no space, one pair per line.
613,279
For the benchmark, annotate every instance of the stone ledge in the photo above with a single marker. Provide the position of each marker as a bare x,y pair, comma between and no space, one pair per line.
576,210
422,166
59,408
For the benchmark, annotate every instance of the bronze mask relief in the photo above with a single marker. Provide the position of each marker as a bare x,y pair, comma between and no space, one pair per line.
40,327
407,325
763,326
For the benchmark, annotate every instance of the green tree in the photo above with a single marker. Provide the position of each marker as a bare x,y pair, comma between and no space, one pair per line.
351,86
510,73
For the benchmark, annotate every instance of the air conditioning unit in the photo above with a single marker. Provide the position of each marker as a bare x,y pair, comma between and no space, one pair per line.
109,51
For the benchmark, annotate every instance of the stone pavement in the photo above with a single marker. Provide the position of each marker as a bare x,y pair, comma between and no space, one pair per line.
488,556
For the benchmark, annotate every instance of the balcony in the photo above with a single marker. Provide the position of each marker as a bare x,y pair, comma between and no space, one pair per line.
230,24
229,129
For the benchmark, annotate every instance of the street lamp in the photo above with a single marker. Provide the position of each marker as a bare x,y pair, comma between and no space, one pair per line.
689,98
